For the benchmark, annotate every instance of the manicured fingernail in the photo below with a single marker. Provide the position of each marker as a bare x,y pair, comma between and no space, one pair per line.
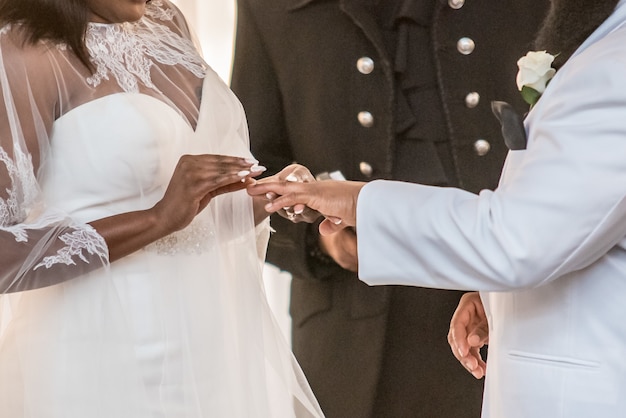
268,207
270,196
257,168
291,177
298,211
334,220
243,173
251,160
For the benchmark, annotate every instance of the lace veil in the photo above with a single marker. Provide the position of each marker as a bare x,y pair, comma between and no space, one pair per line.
41,83
69,330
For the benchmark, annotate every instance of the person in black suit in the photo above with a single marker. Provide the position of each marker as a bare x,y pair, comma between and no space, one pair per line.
367,89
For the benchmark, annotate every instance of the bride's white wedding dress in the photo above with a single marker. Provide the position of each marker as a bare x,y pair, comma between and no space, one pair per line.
180,329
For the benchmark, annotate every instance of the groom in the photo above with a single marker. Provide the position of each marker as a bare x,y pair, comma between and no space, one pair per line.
547,248
567,25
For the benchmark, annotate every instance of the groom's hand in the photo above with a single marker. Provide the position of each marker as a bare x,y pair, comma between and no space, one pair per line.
292,173
342,248
469,332
336,200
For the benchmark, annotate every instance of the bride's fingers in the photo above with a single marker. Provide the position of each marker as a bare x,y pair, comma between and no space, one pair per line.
256,170
299,209
329,226
231,187
301,174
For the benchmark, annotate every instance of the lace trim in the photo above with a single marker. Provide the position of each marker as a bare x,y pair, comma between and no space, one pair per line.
22,193
156,10
197,238
83,238
127,50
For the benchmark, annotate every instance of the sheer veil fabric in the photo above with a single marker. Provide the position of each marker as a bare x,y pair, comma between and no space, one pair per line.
179,329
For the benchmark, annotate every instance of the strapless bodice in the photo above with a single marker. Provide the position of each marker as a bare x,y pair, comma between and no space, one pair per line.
114,154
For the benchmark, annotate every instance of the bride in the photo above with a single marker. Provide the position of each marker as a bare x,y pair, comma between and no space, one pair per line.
130,270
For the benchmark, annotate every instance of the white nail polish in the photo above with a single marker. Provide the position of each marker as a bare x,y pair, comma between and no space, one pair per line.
298,211
257,168
251,160
243,173
291,177
336,221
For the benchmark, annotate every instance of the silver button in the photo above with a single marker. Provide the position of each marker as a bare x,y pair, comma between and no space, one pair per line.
472,99
365,65
456,4
465,46
366,119
366,169
482,147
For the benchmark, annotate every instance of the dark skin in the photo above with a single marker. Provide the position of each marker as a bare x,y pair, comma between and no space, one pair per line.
196,180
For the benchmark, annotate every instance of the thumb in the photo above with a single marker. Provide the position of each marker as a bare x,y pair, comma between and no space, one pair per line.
328,227
479,336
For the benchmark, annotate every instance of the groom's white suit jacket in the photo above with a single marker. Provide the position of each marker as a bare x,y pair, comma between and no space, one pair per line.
547,249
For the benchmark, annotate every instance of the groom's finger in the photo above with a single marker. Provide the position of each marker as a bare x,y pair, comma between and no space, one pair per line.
289,195
263,187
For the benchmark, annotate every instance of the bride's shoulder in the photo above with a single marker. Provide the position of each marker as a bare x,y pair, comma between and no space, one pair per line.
19,50
167,13
15,39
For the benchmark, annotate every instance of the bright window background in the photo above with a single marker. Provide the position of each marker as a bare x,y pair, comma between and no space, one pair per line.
213,21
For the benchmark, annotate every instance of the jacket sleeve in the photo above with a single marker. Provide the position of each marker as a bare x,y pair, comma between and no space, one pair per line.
561,204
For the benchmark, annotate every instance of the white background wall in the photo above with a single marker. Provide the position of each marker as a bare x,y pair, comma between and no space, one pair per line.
214,24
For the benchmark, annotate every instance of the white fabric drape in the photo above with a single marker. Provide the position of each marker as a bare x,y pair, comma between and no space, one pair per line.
180,328
214,25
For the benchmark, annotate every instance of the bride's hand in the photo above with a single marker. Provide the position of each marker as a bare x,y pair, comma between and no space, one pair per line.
196,180
293,173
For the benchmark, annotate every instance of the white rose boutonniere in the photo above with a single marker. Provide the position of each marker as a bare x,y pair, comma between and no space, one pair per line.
535,72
